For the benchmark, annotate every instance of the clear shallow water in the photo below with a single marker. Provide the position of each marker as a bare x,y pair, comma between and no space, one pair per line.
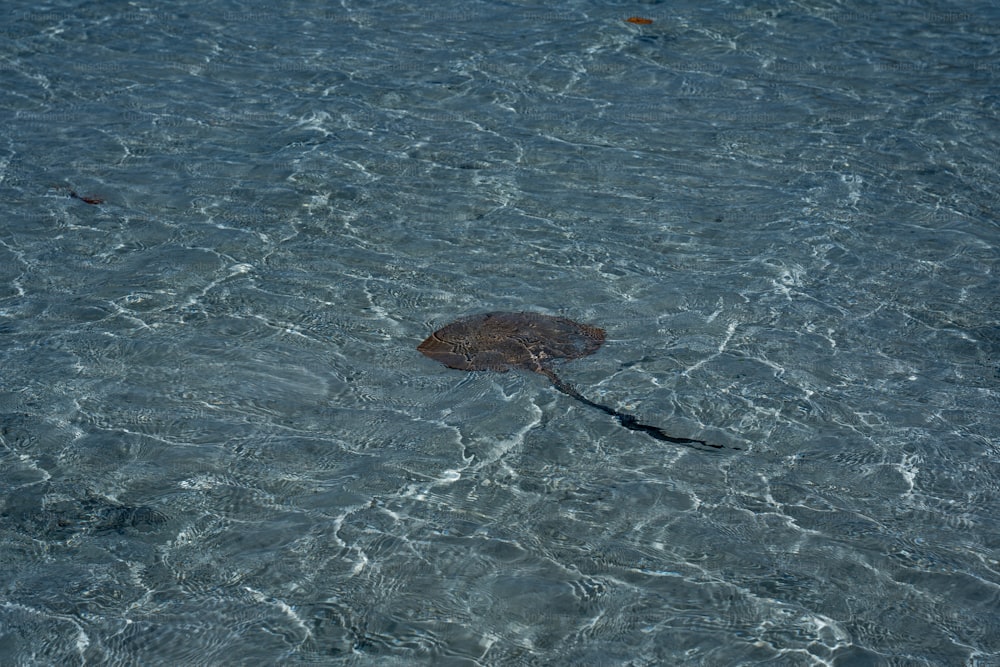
219,445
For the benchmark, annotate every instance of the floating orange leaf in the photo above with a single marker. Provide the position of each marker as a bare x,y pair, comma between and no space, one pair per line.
640,20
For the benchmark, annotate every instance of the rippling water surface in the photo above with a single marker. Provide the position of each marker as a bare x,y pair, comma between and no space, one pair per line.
219,445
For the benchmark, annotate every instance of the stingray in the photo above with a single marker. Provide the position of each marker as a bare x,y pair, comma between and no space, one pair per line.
529,341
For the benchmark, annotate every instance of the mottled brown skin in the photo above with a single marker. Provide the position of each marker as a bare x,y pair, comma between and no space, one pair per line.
530,341
501,341
86,200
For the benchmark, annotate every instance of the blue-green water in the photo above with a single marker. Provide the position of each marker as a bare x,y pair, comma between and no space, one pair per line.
219,445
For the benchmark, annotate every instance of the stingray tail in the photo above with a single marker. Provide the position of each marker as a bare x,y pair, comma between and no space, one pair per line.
628,421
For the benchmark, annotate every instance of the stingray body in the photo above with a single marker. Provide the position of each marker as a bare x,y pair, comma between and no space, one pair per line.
529,341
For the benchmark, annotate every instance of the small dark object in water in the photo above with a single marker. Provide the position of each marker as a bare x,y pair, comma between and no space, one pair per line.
120,517
502,341
86,200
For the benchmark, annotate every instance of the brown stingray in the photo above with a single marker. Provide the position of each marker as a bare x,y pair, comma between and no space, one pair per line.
530,341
